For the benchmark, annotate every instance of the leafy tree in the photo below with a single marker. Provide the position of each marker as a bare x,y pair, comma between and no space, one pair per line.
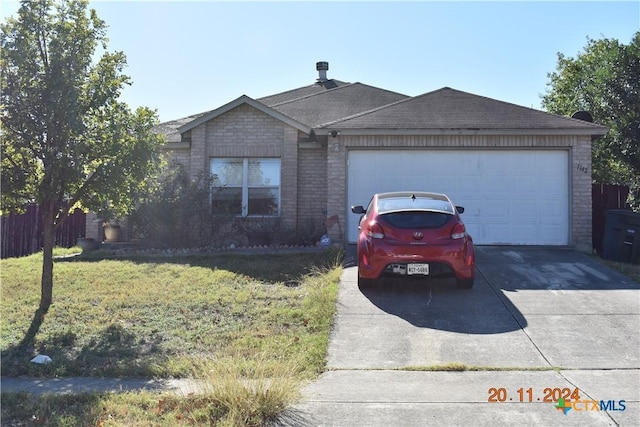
67,140
604,79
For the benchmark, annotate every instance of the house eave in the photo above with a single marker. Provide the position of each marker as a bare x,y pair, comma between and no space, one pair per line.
176,146
442,132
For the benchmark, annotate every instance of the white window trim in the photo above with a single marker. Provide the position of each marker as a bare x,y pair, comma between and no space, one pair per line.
245,185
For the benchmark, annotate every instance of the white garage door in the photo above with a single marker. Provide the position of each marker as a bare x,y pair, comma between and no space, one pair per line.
513,197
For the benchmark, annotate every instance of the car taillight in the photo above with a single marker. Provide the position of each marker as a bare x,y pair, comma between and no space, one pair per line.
374,230
458,231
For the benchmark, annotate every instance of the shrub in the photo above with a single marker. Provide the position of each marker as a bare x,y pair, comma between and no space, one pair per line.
177,213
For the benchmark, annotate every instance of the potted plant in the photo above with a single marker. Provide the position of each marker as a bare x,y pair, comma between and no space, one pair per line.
112,231
111,227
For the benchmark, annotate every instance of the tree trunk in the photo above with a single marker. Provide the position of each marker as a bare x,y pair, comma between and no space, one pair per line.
49,233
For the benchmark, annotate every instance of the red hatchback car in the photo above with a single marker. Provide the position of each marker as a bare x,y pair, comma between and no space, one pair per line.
413,234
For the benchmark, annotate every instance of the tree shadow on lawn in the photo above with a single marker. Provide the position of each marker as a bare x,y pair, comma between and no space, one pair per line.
117,351
23,409
113,352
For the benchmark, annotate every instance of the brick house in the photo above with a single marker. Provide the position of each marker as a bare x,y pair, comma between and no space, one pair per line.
308,154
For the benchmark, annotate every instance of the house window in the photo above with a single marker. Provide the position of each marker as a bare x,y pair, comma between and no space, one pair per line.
246,186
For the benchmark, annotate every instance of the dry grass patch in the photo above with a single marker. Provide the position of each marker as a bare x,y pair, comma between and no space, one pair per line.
248,392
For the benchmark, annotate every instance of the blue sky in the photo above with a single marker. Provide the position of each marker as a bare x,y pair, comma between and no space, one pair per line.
190,57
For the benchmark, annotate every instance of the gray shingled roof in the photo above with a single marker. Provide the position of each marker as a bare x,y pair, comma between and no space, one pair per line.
301,92
170,129
449,109
356,107
335,104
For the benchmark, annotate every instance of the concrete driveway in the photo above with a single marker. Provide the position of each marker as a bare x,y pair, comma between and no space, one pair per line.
538,324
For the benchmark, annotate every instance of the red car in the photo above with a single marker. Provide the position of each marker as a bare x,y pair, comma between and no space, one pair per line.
413,234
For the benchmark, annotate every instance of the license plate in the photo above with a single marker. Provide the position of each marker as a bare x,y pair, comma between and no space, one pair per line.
418,269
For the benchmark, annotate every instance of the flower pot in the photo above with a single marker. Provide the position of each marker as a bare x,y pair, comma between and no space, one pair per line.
113,233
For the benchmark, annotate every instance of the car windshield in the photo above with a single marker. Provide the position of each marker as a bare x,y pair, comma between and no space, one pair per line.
417,219
386,205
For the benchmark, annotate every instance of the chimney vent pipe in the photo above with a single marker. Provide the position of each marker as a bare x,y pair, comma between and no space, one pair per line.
322,68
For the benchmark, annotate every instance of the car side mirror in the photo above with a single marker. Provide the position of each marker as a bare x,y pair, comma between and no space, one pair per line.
358,210
460,209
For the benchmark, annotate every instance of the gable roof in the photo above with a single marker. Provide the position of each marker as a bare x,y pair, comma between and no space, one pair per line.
244,99
302,108
450,110
334,104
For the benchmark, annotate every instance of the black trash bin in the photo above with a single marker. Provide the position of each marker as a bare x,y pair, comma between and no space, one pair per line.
621,236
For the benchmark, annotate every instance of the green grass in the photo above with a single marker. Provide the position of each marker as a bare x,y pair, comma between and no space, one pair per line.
262,315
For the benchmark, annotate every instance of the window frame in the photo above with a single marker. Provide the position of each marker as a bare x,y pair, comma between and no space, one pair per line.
246,187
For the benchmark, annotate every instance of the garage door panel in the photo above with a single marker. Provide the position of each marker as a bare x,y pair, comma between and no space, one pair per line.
469,186
497,210
498,233
524,232
519,206
552,231
509,196
521,187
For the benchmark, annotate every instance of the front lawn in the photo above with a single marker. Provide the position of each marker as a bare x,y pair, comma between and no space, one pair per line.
170,317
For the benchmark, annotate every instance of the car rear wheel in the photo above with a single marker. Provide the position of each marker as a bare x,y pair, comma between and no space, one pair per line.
464,283
366,283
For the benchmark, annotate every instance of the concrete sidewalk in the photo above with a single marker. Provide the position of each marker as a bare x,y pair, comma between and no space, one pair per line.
382,398
40,386
385,398
412,398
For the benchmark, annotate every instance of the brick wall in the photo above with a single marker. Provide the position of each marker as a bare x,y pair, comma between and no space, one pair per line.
312,188
248,132
178,153
581,201
336,184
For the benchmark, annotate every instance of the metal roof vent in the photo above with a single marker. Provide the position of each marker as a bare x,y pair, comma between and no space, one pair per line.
322,68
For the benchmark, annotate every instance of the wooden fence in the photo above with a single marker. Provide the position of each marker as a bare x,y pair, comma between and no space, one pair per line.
21,234
605,197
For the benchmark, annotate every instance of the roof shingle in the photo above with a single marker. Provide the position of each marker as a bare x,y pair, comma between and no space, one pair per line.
448,108
344,101
301,92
